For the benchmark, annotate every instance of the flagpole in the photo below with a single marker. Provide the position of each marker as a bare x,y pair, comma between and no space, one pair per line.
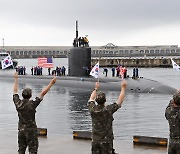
99,67
99,71
53,62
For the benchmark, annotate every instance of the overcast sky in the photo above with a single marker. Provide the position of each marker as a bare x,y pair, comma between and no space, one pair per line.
121,22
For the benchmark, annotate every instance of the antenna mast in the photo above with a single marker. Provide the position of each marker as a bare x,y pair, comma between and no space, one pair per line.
3,43
76,29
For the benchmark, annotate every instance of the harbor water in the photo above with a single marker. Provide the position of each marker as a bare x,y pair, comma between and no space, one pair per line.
64,109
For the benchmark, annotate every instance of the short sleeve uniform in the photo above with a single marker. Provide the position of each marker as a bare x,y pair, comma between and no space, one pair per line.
102,118
172,114
26,111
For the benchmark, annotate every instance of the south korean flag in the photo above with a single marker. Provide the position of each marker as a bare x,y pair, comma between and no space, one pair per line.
95,71
175,66
6,62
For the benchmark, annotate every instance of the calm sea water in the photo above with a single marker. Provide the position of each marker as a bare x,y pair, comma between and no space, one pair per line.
64,109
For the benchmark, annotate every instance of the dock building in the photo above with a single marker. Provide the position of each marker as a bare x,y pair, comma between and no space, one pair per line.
108,54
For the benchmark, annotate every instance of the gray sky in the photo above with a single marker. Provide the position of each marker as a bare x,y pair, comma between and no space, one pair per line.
121,22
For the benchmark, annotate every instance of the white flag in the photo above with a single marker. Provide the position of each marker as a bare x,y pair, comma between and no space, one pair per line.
95,71
6,62
175,66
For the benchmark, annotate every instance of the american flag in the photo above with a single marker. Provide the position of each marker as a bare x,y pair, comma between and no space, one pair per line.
45,62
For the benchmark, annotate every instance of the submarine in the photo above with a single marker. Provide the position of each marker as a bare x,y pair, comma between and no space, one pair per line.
79,61
140,85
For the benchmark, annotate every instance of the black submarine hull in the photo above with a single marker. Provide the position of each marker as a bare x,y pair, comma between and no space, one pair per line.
140,85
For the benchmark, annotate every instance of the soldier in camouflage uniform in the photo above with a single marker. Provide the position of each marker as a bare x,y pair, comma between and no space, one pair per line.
172,114
102,118
26,108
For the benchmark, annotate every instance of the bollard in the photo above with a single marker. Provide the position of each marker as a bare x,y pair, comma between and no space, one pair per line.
81,134
146,140
42,131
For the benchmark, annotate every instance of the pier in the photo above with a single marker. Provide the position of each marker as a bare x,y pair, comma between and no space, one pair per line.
135,61
65,144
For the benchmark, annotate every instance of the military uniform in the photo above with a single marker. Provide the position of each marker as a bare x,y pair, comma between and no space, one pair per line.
172,114
102,132
27,135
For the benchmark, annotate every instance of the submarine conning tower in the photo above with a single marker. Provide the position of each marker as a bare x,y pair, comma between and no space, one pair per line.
79,61
79,57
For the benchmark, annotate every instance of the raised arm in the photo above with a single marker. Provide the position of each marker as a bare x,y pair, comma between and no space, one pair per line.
93,94
122,93
46,89
16,83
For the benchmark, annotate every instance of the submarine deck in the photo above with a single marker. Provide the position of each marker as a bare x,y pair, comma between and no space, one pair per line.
140,85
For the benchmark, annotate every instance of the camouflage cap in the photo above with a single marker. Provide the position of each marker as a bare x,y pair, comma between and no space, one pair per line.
101,98
176,98
27,93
